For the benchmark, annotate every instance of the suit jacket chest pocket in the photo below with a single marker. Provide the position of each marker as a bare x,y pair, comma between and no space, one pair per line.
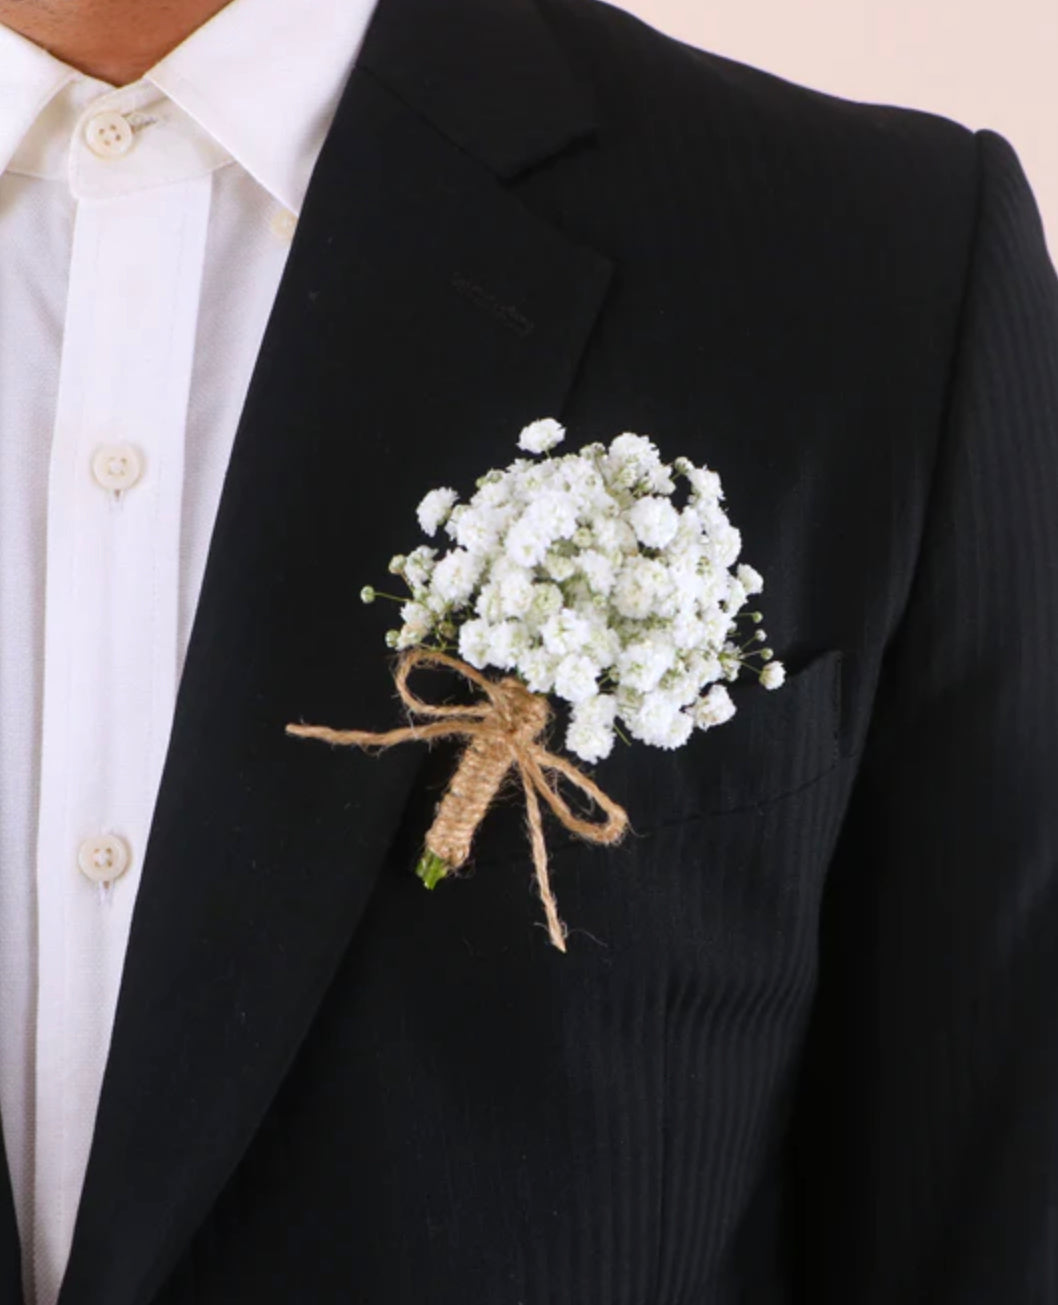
778,741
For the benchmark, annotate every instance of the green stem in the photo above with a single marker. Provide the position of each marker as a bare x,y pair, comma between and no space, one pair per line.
431,868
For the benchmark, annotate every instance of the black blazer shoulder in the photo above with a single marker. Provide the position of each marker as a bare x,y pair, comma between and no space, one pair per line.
882,194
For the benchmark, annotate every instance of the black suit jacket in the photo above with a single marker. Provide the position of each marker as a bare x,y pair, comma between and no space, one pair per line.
803,1047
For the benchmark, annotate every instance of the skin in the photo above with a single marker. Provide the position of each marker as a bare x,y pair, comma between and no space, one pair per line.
116,41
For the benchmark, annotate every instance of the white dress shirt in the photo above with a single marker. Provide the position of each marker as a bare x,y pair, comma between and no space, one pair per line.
143,233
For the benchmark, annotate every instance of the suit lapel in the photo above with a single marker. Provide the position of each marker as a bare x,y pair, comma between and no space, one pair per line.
423,316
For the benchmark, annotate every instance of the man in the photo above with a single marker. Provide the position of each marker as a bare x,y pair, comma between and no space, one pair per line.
268,273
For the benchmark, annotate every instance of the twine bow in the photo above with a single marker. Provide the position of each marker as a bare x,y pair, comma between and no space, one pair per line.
503,731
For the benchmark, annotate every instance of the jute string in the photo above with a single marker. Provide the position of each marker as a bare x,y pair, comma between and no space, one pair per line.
503,732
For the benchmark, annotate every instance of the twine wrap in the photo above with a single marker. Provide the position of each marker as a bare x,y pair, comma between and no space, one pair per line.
503,730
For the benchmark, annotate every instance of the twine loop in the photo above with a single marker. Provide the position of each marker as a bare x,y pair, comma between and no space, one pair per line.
503,731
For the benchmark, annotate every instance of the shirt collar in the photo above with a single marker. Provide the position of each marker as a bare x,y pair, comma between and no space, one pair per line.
261,77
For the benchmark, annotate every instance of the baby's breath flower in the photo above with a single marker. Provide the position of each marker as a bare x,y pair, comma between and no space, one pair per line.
487,604
575,677
598,570
537,667
474,638
455,576
603,644
585,485
434,509
714,708
716,623
477,529
752,581
683,685
553,514
654,520
641,582
545,602
418,565
633,460
591,727
704,483
641,664
726,542
558,566
507,641
730,663
687,630
613,535
565,632
660,721
773,675
539,436
516,590
526,545
686,544
418,623
736,596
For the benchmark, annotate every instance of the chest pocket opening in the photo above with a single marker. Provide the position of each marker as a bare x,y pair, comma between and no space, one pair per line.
778,741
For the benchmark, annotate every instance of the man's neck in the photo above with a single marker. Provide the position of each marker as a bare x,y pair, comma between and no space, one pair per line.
114,40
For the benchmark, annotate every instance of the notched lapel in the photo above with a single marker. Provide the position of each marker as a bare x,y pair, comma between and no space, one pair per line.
423,316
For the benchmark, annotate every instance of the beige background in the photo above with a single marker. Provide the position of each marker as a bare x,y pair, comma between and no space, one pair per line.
986,64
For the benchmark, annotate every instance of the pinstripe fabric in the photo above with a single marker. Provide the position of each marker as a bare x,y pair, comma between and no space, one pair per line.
932,1170
801,1050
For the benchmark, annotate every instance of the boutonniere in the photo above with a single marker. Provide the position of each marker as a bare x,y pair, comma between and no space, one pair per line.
596,578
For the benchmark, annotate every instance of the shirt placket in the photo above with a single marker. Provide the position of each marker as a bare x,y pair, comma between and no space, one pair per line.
111,656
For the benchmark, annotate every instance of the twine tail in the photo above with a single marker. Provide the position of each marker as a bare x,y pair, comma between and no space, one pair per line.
482,768
555,928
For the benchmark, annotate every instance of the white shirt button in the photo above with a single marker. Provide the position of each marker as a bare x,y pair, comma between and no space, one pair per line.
283,223
103,858
117,466
108,134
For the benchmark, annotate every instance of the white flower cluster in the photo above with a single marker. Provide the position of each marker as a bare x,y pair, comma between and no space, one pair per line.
580,575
